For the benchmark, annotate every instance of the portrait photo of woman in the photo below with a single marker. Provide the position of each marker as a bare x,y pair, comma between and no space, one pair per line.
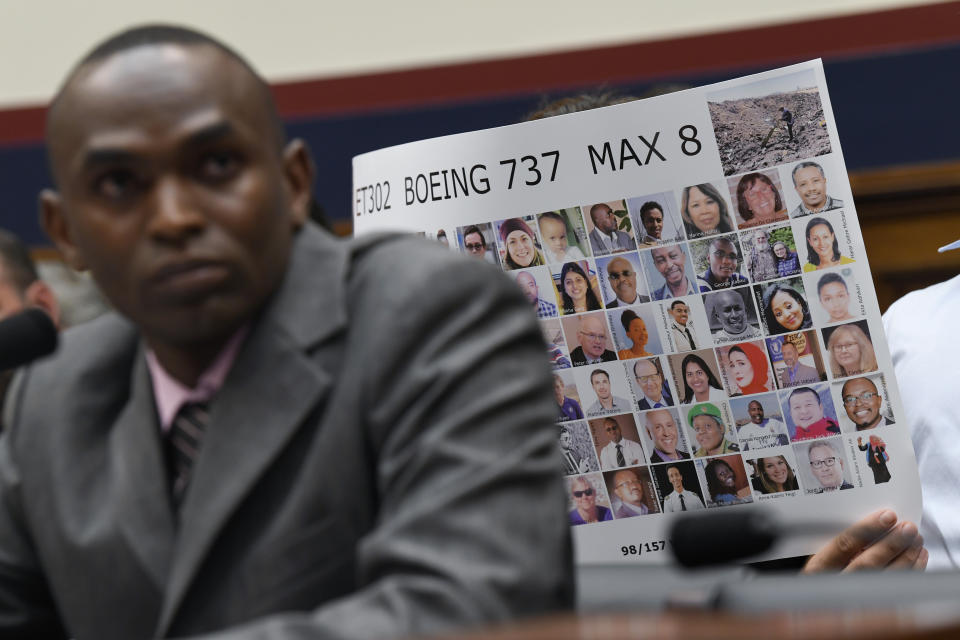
519,242
776,475
851,351
834,296
784,308
727,481
637,334
699,382
759,201
823,248
704,211
747,370
577,293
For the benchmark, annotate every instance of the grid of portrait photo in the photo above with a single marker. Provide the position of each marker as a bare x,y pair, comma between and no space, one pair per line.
709,342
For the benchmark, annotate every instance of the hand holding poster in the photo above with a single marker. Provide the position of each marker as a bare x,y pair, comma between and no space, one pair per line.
700,278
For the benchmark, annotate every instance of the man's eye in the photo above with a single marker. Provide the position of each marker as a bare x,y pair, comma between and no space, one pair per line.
219,165
116,184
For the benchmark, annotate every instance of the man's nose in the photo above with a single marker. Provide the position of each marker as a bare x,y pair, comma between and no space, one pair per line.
175,215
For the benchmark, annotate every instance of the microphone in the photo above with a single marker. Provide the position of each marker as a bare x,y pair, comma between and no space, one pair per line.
716,538
26,336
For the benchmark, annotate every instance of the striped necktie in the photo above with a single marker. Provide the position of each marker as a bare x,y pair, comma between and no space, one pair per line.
621,461
183,445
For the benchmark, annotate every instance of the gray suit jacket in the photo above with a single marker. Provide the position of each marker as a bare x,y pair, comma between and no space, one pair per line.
381,461
805,375
624,243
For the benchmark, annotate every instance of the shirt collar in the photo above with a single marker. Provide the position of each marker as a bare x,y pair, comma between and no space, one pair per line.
170,394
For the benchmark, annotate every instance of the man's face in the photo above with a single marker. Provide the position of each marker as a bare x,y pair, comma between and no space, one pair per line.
601,385
730,311
649,381
680,313
593,336
669,262
724,259
613,430
603,218
756,412
761,240
653,223
173,189
789,353
663,431
673,475
827,466
623,279
528,284
864,411
565,440
628,488
558,388
473,243
805,409
811,187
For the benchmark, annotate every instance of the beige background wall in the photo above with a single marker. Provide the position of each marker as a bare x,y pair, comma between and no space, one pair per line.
295,39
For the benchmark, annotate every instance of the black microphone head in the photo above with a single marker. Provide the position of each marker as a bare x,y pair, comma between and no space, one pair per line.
26,336
720,537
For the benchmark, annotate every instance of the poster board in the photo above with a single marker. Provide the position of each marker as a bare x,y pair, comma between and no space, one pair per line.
698,270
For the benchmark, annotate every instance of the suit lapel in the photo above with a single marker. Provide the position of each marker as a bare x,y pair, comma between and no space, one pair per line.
140,478
273,385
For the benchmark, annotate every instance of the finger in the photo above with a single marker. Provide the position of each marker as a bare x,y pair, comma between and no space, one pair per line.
904,539
921,562
843,548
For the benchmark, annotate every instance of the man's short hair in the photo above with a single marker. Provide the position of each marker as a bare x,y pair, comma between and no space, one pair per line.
800,390
649,206
598,372
805,165
475,229
725,240
673,305
825,444
843,389
653,361
16,262
161,34
597,207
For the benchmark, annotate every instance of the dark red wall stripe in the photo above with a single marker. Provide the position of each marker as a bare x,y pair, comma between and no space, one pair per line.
852,35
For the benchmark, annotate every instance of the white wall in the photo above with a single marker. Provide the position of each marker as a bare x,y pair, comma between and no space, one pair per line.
289,39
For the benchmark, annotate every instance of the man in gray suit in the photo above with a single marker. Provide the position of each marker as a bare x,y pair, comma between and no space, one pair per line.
795,372
280,434
605,237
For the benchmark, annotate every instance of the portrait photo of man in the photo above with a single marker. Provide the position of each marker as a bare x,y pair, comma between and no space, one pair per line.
759,423
733,318
633,490
811,184
589,332
811,413
676,275
790,368
588,500
863,404
681,325
605,237
655,219
530,280
476,240
720,260
651,388
576,449
665,438
606,401
677,482
826,468
618,451
623,283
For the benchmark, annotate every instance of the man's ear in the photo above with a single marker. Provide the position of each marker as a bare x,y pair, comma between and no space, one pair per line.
39,294
299,170
55,225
